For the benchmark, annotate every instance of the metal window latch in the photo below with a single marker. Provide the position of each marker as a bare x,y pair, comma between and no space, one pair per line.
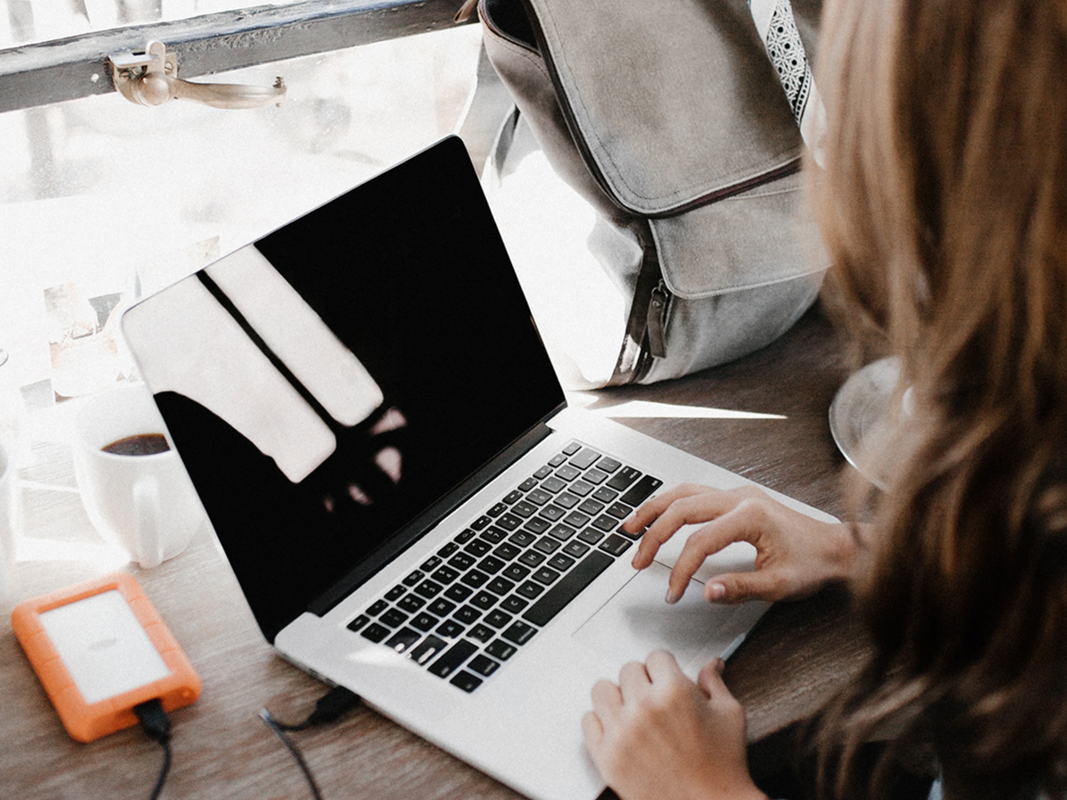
151,79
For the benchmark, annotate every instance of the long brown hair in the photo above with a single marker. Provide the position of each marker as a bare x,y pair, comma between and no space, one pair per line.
943,204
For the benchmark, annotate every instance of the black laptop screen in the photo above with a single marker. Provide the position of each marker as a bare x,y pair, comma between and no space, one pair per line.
441,369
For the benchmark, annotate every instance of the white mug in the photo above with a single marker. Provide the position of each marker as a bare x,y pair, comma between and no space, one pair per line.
146,504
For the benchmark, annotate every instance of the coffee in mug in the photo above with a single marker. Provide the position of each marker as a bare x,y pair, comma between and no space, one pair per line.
133,484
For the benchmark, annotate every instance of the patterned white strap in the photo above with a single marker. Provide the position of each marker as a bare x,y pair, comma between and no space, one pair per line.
778,29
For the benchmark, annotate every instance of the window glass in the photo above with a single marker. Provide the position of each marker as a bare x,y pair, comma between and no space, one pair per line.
102,201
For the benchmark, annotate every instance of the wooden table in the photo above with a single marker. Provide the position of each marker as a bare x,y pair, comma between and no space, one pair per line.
790,664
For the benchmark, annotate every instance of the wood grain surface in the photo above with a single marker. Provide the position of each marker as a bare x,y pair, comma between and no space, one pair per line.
793,661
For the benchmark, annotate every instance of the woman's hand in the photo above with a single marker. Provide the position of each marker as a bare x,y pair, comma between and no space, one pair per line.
658,735
795,554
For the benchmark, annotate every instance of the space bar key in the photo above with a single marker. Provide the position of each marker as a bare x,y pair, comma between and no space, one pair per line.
568,588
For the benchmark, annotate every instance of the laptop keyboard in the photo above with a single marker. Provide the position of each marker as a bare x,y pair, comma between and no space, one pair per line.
481,597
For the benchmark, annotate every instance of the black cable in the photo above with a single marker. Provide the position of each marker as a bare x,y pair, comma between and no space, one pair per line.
329,708
156,724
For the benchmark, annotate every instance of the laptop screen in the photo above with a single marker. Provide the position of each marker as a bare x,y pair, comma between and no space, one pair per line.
328,385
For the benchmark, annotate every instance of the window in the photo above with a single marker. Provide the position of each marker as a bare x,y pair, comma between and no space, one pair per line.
103,201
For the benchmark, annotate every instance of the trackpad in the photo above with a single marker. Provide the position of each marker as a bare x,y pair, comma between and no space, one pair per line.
637,620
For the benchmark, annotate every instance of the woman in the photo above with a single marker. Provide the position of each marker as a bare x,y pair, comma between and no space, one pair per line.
943,203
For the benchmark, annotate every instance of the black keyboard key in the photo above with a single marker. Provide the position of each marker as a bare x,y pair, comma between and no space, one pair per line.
393,618
561,562
619,510
500,586
491,565
605,523
527,484
547,545
475,579
530,589
358,622
481,523
582,488
623,478
465,537
519,632
493,535
512,497
543,473
428,589
576,519
430,647
507,551
595,476
441,607
462,561
615,544
576,549
432,563
403,639
591,507
546,576
458,592
562,531
568,473
524,509
424,621
591,535
450,629
516,572
641,491
605,495
483,666
478,547
553,485
414,578
498,619
411,603
539,497
509,522
552,512
375,632
497,510
537,525
585,459
514,604
377,608
445,575
532,558
501,649
394,593
522,538
467,682
448,550
567,500
484,600
466,615
483,633
453,658
568,588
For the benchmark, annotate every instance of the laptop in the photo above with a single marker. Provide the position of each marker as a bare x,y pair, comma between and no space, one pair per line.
412,510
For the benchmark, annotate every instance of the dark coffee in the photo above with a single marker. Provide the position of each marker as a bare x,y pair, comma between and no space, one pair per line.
143,444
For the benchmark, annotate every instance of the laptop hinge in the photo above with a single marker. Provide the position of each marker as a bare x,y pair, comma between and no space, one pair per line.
428,520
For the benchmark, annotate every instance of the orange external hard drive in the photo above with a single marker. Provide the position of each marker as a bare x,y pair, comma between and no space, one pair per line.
99,648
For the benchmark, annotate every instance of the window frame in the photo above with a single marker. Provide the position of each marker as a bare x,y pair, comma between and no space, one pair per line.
75,67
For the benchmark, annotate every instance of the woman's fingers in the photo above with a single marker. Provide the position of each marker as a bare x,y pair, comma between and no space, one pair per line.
684,505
